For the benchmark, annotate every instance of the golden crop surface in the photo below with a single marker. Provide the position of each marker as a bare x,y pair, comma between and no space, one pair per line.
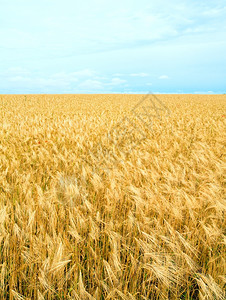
102,201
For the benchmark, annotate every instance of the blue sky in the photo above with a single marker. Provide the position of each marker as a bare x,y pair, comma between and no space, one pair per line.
120,46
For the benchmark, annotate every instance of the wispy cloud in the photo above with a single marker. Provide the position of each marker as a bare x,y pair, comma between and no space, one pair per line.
19,79
164,77
84,73
118,74
139,74
117,81
90,85
203,92
18,71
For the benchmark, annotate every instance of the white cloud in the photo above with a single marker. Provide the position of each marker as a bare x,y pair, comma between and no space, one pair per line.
117,81
18,70
60,79
139,74
100,77
138,92
76,74
118,74
203,92
19,79
214,11
15,72
84,73
163,77
65,77
91,85
83,80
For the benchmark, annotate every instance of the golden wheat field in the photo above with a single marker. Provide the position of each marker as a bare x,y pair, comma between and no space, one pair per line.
112,197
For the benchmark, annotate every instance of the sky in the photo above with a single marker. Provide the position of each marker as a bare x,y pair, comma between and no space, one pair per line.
120,46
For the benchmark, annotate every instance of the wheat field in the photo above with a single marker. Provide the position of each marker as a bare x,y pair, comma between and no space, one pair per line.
99,200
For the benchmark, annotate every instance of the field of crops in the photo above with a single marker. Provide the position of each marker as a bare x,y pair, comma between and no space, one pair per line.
112,197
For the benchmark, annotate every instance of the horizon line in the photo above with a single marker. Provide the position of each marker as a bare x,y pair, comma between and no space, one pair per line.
117,93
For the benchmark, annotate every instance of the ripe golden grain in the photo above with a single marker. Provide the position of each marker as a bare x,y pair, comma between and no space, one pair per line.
141,224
